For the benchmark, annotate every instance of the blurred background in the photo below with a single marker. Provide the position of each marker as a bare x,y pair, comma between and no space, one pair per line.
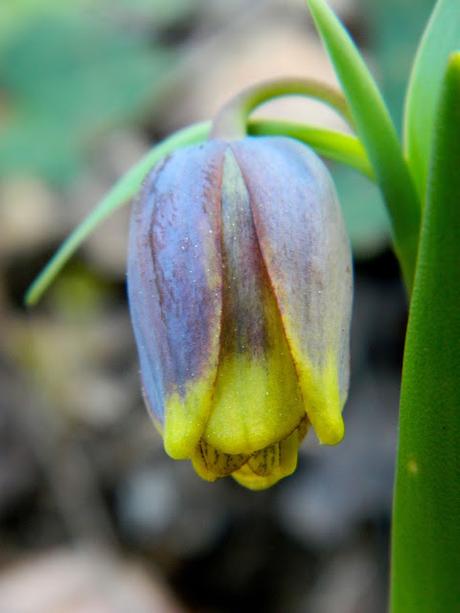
94,518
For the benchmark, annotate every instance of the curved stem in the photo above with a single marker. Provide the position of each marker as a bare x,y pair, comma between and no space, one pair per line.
230,122
426,528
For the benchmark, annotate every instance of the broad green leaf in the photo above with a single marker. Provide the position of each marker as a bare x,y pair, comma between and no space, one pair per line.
441,37
377,133
426,524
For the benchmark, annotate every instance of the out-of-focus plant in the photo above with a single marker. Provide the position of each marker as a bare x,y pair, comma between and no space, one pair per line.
65,70
419,180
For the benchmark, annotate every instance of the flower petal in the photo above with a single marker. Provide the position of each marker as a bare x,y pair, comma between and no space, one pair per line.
268,466
175,290
257,399
210,464
307,255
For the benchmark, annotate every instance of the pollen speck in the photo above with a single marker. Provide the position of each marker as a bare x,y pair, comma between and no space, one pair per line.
412,466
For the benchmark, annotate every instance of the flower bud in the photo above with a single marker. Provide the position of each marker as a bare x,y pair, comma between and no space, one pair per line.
240,283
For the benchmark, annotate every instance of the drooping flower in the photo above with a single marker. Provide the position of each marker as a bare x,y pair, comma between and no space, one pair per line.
240,283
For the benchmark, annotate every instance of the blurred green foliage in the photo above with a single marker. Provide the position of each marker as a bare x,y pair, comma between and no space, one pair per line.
71,69
67,72
394,30
364,211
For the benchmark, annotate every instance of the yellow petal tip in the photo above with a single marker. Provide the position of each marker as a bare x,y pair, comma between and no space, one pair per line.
331,433
185,419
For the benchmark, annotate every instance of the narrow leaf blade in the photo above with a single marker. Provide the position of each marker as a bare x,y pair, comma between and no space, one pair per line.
441,37
426,528
377,133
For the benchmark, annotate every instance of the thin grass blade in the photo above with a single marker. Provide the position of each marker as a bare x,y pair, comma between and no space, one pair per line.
441,37
377,133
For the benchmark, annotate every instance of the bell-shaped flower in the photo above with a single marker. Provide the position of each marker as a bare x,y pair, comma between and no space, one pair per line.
240,285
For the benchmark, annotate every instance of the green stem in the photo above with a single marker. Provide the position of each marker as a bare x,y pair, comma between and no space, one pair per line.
426,519
231,121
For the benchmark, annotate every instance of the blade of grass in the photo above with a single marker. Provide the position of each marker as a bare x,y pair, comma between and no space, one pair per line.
426,522
441,37
377,133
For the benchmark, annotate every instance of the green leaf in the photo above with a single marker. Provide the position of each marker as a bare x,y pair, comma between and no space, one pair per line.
377,133
441,37
426,524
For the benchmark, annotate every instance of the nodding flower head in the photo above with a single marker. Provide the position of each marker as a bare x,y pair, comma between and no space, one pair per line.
240,284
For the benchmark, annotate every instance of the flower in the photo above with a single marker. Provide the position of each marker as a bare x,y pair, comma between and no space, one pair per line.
240,284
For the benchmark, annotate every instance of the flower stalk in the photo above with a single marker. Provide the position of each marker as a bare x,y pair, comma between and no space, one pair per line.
231,122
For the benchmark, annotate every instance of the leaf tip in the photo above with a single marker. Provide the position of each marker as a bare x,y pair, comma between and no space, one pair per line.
33,293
